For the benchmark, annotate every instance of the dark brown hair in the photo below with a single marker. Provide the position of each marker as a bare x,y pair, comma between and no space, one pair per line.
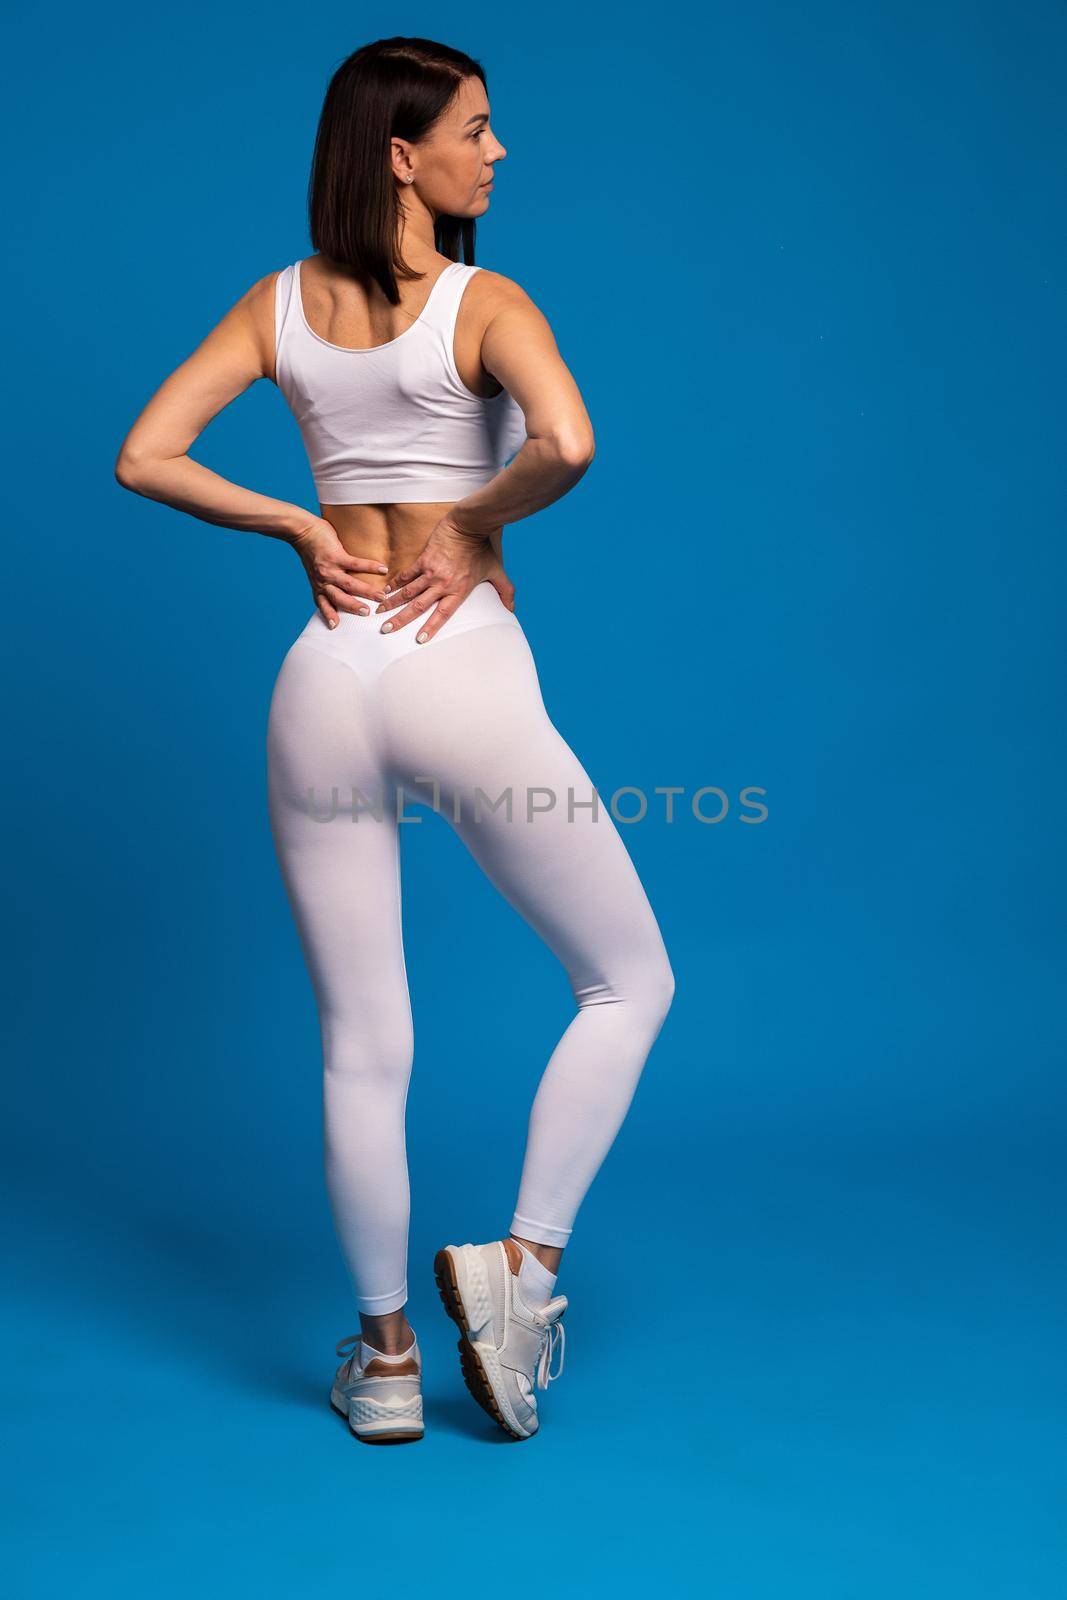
393,88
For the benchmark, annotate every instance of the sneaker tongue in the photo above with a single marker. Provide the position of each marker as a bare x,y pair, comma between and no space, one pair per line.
555,1308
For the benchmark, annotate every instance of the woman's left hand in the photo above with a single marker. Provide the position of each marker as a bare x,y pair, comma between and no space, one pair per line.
451,564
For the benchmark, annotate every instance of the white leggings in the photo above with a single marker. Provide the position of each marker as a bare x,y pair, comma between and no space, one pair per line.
359,721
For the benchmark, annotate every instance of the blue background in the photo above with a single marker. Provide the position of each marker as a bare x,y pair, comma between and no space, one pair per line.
807,265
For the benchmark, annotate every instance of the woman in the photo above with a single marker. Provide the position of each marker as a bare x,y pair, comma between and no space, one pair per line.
413,377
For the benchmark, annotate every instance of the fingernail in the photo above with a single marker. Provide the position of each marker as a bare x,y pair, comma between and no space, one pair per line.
386,626
364,611
422,638
333,622
383,569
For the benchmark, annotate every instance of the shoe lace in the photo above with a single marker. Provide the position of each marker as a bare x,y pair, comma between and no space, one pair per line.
346,1348
555,1339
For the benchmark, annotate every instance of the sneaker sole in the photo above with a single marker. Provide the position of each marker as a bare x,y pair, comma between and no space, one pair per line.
384,1431
474,1374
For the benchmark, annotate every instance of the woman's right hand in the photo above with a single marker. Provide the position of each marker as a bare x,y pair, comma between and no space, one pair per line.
333,574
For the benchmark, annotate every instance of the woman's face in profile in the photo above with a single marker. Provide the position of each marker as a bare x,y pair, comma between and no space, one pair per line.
454,163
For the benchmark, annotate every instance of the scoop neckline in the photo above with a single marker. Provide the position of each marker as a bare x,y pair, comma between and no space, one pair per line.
365,349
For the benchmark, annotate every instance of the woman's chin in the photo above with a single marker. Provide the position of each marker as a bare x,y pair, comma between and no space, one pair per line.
476,208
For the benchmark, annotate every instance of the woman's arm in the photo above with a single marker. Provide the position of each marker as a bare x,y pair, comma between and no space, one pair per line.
519,349
154,459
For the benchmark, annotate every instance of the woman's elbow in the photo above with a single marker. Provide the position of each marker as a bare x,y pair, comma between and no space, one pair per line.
129,469
576,446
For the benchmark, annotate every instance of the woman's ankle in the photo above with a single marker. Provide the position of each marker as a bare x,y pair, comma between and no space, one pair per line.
391,1334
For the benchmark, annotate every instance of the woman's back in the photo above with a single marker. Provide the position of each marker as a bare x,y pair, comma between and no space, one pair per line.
387,421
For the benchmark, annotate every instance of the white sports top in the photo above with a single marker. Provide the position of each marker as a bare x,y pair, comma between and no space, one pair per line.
394,422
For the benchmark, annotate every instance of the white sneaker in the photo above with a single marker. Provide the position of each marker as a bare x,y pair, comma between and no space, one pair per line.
382,1400
504,1341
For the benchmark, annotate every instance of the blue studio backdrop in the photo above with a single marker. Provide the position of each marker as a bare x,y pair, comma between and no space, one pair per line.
807,266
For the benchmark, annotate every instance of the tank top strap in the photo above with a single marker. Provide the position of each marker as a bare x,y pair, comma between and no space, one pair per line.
442,308
283,301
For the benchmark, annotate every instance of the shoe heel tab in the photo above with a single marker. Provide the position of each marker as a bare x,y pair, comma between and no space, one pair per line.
513,1252
377,1368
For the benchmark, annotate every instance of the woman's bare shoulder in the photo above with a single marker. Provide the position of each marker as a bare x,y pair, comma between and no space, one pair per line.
497,286
509,304
256,308
262,292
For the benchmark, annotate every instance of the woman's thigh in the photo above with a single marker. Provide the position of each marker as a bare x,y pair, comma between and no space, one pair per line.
467,731
333,818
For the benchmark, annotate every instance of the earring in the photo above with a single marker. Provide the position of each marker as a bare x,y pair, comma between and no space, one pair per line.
410,178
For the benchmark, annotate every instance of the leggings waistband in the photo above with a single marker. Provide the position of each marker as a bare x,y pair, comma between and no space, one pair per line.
360,643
